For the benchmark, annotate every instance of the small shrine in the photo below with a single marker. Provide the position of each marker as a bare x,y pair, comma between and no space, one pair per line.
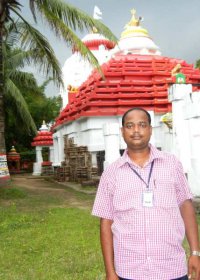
42,140
13,159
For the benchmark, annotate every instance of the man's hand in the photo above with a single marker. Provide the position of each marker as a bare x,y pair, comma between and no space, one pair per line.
194,268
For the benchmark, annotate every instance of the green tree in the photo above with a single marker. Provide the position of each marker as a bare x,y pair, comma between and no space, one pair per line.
17,85
40,107
197,64
64,20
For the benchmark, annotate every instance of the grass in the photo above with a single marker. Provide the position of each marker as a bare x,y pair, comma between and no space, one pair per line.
9,193
42,239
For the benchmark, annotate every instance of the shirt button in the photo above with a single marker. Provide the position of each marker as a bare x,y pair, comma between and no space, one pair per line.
148,258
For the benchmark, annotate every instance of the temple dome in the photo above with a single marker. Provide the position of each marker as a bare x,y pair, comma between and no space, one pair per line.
13,155
44,137
96,41
76,69
135,39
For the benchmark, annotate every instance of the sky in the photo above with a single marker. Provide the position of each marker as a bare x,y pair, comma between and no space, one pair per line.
173,25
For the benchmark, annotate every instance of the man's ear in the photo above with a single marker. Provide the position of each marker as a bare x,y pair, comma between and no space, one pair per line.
151,129
122,131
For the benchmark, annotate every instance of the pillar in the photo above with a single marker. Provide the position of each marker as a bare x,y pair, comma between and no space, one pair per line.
112,142
39,154
181,141
192,113
55,145
37,166
51,154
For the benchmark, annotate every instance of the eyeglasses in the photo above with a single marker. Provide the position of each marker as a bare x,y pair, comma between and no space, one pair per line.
141,125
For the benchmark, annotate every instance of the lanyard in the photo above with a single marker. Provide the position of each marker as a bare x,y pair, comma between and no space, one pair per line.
150,172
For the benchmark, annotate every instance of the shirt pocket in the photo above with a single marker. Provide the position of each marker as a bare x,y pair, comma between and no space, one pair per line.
165,194
127,201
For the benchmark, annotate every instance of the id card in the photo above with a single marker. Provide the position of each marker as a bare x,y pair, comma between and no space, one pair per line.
147,199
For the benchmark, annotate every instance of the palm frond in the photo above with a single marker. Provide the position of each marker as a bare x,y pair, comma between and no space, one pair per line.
73,17
13,92
23,78
7,6
17,58
73,41
11,37
42,53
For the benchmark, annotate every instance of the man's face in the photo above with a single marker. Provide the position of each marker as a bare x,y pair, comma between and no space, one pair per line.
136,130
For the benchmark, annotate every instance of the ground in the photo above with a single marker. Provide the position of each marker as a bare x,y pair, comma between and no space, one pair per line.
67,191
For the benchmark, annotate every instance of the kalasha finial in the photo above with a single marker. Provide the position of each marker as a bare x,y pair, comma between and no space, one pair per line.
44,126
135,21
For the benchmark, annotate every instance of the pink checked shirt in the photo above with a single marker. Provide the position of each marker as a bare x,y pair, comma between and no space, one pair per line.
147,240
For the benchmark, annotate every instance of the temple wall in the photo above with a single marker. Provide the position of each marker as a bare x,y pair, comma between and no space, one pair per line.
183,140
186,131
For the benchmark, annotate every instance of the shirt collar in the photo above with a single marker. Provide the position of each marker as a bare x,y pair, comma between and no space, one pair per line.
154,154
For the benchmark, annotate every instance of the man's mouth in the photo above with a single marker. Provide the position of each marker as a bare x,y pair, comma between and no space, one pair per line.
136,137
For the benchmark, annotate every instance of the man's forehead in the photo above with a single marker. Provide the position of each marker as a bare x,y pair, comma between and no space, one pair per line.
137,114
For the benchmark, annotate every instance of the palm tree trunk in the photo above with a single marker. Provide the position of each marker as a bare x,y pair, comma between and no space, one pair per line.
4,172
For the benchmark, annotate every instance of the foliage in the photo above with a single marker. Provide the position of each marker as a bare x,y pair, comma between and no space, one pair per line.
25,102
197,65
14,78
29,155
64,20
40,107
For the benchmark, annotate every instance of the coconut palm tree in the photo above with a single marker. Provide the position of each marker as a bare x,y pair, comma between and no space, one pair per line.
14,60
64,20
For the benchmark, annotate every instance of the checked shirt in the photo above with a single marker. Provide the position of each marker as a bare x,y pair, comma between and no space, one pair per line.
147,240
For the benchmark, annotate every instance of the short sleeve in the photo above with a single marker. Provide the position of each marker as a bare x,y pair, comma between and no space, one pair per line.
183,191
103,204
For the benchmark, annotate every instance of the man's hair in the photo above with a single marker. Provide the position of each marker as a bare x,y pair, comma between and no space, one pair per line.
136,109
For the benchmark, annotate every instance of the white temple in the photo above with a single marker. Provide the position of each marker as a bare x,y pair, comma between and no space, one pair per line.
136,75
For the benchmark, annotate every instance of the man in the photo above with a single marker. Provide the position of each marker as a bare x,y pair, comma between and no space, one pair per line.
145,207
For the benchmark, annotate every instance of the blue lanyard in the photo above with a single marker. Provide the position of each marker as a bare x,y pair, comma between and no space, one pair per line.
150,172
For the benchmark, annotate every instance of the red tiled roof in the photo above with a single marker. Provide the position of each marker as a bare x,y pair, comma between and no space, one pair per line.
131,80
43,138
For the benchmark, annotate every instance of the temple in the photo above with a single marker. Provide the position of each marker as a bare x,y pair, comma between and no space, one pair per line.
136,75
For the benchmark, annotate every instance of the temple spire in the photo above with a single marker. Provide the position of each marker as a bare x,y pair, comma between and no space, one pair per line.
134,21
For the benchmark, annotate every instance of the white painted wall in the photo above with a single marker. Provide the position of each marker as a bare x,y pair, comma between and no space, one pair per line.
183,140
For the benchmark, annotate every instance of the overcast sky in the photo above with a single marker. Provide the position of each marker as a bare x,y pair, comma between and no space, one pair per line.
173,25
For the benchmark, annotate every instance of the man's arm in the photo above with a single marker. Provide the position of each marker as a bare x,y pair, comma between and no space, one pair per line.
191,228
107,248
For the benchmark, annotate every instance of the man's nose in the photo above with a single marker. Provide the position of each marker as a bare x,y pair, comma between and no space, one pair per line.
136,127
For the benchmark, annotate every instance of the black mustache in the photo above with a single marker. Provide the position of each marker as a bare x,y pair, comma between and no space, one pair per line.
135,135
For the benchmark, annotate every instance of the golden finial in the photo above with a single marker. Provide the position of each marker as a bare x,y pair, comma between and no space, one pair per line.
133,28
134,21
